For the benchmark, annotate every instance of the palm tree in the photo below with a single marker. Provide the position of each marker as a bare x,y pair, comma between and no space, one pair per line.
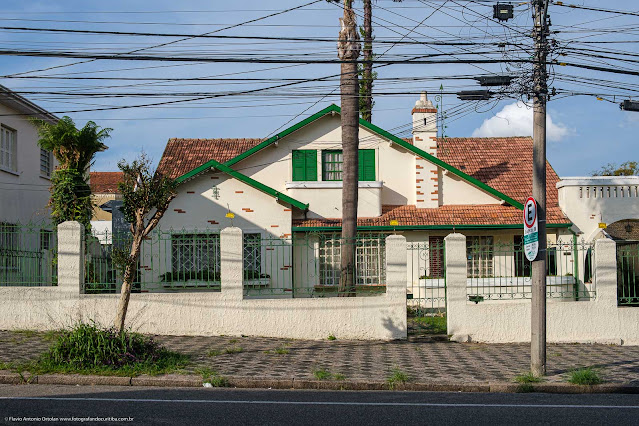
348,48
74,149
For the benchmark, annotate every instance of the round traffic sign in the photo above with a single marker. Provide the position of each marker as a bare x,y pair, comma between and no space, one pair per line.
530,212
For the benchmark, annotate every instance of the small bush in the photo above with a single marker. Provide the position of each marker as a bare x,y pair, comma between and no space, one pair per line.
89,348
528,378
322,374
332,337
585,376
213,378
233,350
397,377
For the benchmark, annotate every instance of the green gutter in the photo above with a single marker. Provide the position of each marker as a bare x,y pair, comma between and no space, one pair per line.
383,133
422,227
243,178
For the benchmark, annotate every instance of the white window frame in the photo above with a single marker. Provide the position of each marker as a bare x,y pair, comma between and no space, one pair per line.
370,260
8,149
46,163
480,256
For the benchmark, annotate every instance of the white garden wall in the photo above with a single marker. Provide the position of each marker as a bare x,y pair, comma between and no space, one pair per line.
206,313
598,320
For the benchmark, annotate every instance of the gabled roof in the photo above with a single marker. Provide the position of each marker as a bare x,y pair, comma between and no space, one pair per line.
105,182
212,164
502,163
207,163
27,108
442,217
183,155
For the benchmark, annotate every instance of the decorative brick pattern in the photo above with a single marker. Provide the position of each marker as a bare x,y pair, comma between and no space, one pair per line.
248,210
190,192
213,222
179,210
239,192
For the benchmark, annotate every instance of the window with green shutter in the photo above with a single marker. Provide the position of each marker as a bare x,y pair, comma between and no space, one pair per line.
366,164
305,165
332,161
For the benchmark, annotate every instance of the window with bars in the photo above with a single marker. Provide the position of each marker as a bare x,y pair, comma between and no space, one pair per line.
522,264
436,257
9,246
8,149
479,255
252,256
196,256
46,162
332,161
46,239
370,261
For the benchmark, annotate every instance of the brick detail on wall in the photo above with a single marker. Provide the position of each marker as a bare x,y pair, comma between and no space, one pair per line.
213,222
179,210
190,192
417,138
288,210
215,177
420,193
419,167
420,201
239,192
434,192
419,180
434,178
248,210
275,226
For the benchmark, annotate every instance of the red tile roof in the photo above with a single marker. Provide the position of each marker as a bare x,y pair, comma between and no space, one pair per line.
487,214
183,155
105,182
504,164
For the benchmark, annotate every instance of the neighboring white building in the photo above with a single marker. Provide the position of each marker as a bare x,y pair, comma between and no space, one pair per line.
609,200
25,168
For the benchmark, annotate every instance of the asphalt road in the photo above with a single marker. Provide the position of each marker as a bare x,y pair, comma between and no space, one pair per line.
37,404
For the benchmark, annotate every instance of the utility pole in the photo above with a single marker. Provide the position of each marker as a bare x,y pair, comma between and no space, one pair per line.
540,97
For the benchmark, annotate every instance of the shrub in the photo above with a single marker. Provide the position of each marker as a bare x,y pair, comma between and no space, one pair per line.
89,348
585,376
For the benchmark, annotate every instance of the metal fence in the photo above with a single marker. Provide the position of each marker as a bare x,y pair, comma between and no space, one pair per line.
498,272
28,254
426,286
306,265
628,274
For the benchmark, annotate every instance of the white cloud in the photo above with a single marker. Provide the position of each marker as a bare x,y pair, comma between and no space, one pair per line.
516,119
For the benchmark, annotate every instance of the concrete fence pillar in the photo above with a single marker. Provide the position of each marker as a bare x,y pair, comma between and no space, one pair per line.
232,263
456,293
606,271
396,271
71,257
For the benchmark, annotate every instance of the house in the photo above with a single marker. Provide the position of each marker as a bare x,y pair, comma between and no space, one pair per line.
105,199
26,236
286,191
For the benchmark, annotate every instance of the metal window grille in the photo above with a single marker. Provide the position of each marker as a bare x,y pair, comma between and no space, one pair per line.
9,246
8,149
479,251
45,239
370,260
252,255
45,162
436,257
196,254
332,165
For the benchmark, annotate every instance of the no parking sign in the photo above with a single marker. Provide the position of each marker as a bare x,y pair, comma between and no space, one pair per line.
531,229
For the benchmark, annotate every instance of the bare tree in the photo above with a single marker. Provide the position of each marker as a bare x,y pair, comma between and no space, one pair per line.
142,192
348,48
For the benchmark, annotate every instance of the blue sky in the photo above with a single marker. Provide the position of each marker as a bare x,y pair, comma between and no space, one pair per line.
585,134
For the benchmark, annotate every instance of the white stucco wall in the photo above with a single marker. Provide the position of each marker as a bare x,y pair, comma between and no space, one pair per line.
457,191
24,194
205,313
597,320
587,201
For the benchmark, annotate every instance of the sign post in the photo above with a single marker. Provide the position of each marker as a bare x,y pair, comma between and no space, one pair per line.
531,229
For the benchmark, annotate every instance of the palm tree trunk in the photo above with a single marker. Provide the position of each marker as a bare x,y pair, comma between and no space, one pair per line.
367,75
348,50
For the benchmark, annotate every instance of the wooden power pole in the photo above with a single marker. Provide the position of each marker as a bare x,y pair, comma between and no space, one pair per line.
540,97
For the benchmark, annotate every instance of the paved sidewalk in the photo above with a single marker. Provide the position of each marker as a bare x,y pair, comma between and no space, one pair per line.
423,359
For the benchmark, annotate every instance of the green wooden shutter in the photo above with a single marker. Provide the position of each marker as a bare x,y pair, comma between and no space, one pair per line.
299,168
366,164
305,165
311,165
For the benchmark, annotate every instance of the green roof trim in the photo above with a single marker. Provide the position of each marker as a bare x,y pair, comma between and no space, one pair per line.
329,109
243,178
423,227
383,133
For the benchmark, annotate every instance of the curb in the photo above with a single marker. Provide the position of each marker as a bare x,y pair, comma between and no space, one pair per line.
192,381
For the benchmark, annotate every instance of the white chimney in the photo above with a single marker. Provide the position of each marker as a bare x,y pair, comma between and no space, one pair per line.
425,138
